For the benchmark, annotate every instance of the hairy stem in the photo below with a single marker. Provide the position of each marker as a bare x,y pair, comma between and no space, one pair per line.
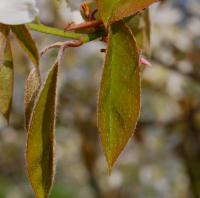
65,34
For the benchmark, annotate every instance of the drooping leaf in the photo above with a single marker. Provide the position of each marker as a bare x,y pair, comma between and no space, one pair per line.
115,10
119,96
33,81
6,82
40,142
27,43
32,87
4,30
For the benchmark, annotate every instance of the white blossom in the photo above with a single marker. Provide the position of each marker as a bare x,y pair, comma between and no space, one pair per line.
15,12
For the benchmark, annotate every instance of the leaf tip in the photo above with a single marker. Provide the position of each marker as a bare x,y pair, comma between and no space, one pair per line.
111,158
110,165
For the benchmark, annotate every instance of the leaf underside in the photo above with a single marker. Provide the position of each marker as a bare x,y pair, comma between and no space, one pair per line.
119,96
40,142
32,86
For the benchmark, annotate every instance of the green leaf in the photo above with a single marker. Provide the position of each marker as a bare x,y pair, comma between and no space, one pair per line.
4,31
32,87
6,82
119,96
140,26
146,32
41,132
27,43
115,10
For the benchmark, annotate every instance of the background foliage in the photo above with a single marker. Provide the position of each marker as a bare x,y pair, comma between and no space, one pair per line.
163,160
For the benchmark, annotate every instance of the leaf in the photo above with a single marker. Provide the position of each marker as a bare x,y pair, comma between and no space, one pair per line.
140,26
33,81
6,82
119,96
4,31
27,43
40,142
146,32
32,87
115,10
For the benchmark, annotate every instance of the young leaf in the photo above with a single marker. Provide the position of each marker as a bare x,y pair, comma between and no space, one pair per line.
115,10
27,43
119,96
32,87
40,142
6,82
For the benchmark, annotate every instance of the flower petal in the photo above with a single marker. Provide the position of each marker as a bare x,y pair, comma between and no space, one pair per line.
14,12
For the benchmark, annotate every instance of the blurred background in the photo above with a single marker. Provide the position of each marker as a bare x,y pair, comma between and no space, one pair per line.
162,160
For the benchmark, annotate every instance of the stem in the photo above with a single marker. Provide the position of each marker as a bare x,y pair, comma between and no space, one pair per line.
84,25
61,33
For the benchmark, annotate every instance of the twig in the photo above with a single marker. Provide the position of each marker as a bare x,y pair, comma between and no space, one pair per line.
64,34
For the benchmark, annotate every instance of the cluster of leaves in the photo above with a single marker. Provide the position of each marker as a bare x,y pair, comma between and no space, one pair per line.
39,103
128,28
